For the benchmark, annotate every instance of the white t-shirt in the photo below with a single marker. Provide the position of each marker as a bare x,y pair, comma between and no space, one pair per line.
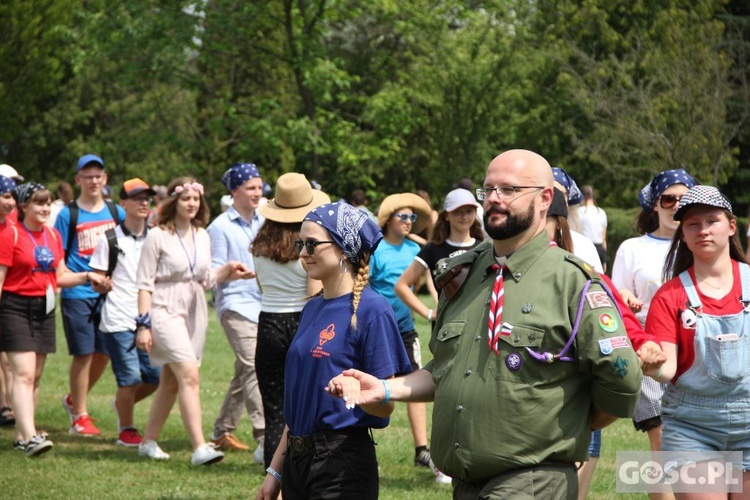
121,305
592,222
284,286
586,251
638,266
54,211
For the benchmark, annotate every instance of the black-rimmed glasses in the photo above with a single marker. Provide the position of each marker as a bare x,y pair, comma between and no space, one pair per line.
309,245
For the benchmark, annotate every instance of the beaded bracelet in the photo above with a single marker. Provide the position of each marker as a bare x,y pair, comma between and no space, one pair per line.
387,393
143,320
275,474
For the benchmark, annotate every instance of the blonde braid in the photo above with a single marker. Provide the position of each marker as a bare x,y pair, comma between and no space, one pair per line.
360,282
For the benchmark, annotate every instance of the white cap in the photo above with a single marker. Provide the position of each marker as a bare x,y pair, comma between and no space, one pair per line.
9,171
459,198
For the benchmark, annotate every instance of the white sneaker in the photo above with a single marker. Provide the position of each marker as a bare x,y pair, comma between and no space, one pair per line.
206,454
37,445
440,478
149,448
258,454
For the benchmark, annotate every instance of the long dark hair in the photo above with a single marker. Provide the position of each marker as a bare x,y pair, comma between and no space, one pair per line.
275,241
680,257
442,229
648,221
168,207
562,233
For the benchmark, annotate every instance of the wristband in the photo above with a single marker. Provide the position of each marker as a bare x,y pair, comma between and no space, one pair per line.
143,320
88,280
387,397
274,474
429,315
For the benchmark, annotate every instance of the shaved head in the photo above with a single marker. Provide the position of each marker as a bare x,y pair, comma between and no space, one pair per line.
511,221
529,166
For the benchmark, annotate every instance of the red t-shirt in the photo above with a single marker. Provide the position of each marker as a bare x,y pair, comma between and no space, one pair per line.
17,253
670,300
633,327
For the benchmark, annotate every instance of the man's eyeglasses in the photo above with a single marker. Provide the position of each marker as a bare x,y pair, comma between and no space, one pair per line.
668,200
406,217
148,200
503,192
90,178
309,245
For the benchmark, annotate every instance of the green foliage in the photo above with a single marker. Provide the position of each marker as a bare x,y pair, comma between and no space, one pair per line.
387,96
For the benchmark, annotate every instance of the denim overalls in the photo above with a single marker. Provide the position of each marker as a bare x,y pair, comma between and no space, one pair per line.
709,407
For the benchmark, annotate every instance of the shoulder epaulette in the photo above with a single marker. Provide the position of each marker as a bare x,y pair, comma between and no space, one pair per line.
585,267
451,273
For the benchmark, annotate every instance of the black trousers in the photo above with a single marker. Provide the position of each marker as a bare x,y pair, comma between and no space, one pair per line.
275,334
331,464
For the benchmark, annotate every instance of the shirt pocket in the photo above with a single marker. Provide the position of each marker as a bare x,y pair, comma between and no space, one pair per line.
513,360
446,347
727,361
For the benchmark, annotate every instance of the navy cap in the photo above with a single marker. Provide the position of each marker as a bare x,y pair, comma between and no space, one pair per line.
85,160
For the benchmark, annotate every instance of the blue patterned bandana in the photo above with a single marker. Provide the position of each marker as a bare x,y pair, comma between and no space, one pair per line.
25,191
238,174
651,192
574,194
352,230
6,184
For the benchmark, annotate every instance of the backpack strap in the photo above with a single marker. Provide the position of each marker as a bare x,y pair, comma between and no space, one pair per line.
113,212
73,207
114,250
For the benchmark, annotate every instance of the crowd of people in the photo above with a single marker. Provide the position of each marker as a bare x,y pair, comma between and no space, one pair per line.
530,339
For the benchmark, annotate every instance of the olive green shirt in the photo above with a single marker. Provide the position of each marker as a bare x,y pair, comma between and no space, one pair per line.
494,413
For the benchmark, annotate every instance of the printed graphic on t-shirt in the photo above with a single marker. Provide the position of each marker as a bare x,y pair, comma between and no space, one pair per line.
324,336
88,234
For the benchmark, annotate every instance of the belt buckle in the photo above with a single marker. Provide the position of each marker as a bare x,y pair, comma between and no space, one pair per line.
298,444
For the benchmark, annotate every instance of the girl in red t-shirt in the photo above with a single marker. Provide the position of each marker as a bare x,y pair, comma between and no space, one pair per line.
702,318
31,268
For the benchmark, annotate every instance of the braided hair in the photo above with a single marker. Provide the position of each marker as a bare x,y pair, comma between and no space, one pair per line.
361,279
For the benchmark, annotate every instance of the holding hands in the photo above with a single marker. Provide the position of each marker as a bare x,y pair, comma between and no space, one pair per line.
652,358
234,270
100,283
631,300
356,388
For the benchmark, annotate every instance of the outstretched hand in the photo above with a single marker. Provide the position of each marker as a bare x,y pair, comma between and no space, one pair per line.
239,271
356,387
631,300
652,357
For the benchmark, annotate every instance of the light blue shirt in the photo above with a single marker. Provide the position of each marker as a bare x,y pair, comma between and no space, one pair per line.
231,239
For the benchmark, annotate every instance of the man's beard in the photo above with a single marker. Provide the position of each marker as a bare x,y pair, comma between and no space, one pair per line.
512,226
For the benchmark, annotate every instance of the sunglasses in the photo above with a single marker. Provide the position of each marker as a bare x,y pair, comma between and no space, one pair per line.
668,200
309,245
406,217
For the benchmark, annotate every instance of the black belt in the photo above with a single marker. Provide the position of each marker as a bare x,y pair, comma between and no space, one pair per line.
299,444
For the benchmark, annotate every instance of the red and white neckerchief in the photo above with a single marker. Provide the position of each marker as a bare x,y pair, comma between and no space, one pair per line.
495,325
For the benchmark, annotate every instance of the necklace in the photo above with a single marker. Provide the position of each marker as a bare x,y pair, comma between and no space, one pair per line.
722,284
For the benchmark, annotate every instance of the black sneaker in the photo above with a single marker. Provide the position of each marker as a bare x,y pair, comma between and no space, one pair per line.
422,459
37,445
19,445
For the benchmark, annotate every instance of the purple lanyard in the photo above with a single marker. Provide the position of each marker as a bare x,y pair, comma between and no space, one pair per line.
43,255
191,263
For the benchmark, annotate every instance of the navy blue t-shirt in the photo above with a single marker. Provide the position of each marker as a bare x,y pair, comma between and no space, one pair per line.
324,346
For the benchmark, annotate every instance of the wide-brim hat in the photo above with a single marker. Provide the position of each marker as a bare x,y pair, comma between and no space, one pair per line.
294,198
400,200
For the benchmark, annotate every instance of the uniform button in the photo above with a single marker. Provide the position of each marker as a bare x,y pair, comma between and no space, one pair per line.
459,408
456,445
516,340
532,337
477,338
518,275
467,372
443,334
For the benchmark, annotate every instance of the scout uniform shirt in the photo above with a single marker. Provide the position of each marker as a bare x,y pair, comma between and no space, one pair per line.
494,413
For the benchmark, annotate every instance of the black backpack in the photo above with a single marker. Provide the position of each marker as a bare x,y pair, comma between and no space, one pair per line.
73,207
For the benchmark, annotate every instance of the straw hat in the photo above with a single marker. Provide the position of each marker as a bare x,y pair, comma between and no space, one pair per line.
294,198
395,201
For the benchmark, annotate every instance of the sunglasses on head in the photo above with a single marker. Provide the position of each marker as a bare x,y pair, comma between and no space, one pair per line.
309,245
668,200
406,217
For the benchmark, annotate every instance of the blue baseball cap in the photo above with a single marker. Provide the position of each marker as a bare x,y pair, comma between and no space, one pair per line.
86,160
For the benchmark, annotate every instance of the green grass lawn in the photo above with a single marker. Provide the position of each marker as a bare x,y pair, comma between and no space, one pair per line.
97,468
